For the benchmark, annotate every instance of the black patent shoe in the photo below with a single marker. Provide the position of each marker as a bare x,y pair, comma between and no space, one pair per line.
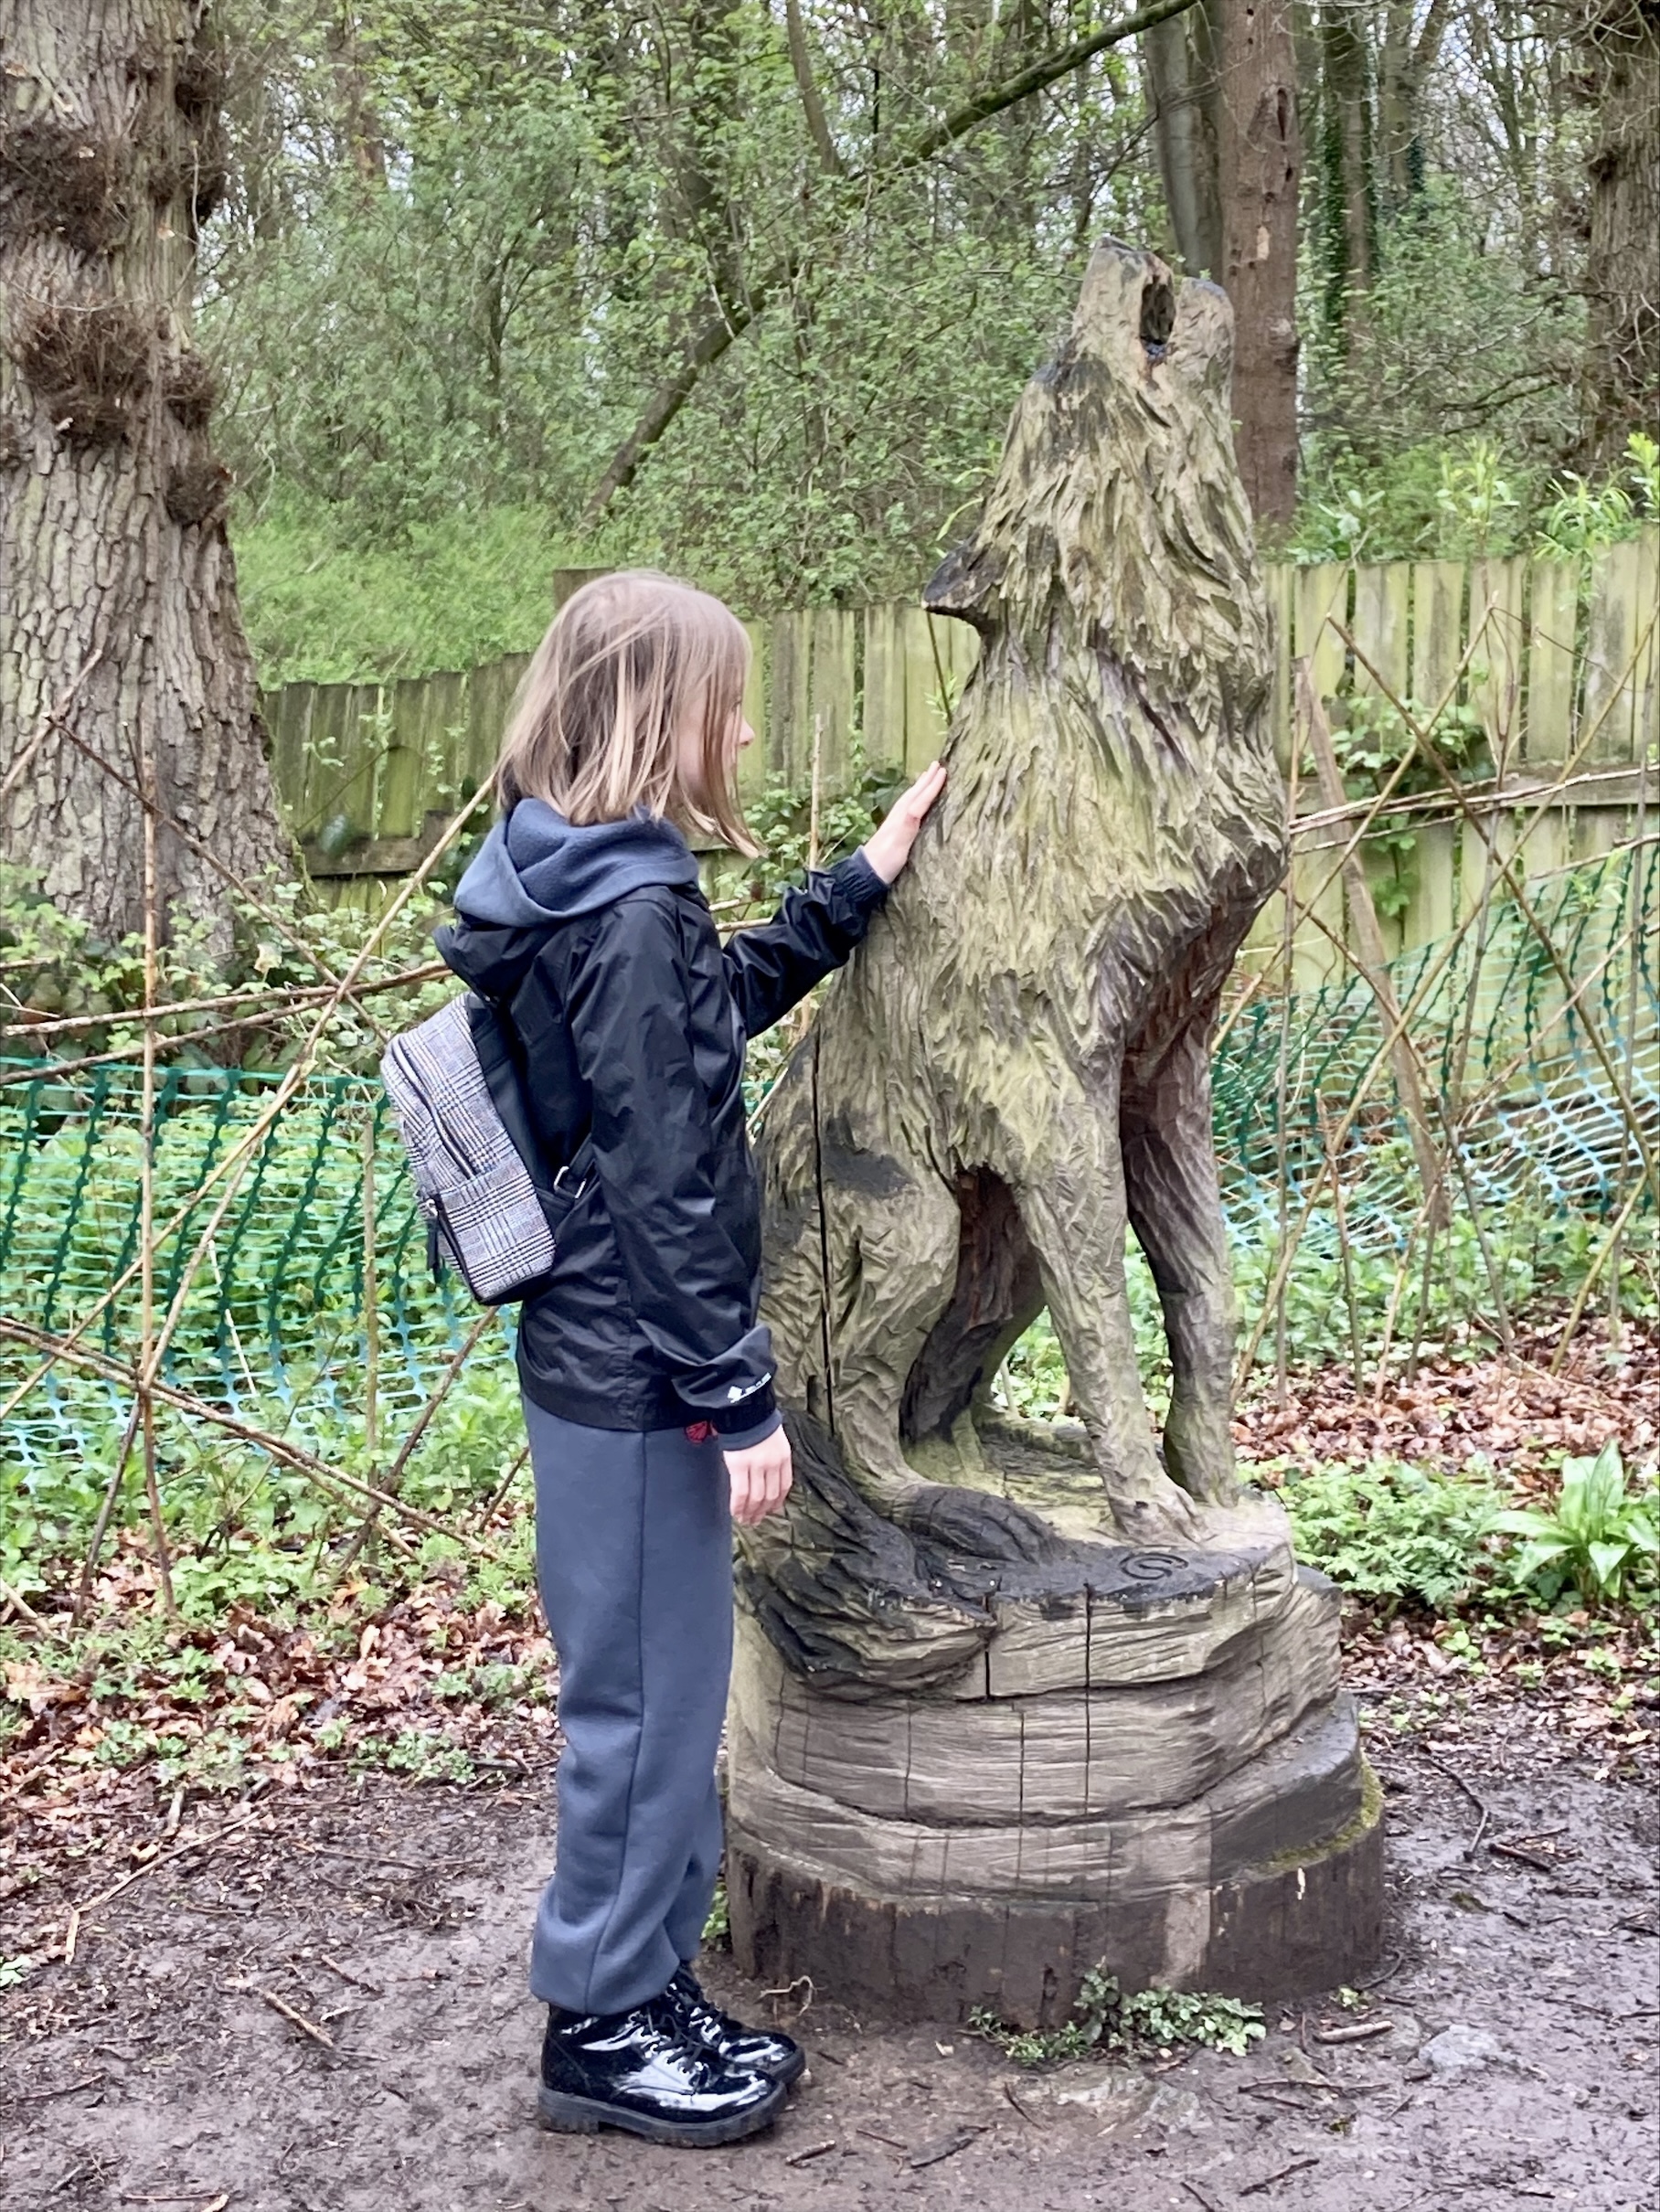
749,2048
641,2071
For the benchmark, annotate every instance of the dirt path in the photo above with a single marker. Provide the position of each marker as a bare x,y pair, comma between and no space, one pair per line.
152,2069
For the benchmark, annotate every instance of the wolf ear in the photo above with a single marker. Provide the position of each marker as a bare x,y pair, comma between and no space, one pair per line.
965,584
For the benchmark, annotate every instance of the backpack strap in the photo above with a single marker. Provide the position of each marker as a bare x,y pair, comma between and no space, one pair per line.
493,1041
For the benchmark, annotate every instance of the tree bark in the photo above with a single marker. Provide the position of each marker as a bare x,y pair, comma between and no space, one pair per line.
1181,70
122,628
1621,46
1405,66
1259,159
806,84
1348,194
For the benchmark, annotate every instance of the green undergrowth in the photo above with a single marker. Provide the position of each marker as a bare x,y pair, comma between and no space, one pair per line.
1146,2024
324,604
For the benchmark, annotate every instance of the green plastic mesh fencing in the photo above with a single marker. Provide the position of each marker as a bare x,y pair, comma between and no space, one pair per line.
1529,1036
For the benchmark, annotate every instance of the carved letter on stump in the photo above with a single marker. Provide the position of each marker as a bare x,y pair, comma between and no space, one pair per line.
1004,1710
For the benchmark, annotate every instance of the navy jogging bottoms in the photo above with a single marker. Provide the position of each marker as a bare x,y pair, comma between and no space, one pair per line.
634,1563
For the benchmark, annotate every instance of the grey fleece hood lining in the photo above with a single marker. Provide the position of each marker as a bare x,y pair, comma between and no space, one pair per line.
536,867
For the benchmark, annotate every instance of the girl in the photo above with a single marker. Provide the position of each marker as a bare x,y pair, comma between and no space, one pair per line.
646,1381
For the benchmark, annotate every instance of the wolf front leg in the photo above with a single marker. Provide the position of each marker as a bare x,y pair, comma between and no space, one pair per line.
1175,1209
1073,1204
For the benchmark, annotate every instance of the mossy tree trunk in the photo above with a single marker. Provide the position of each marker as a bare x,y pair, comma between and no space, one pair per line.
1621,52
124,656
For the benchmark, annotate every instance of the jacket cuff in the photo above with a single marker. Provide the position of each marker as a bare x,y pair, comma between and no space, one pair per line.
756,1410
861,883
743,1438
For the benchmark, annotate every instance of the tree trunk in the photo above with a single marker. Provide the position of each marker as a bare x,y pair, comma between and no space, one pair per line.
124,643
1348,190
1405,66
1181,70
1621,43
1257,160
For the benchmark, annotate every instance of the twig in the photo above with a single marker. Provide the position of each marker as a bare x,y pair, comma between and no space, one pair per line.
943,2146
1481,1804
236,1160
51,719
64,2089
423,1421
18,1603
875,2136
105,1897
1198,2195
345,1974
261,1000
814,2150
497,1503
1528,1858
1273,2093
1012,2094
1513,884
147,1197
1362,2031
291,1455
1297,2165
307,2027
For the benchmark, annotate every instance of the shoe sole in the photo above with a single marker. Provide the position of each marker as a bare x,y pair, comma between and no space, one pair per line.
568,2115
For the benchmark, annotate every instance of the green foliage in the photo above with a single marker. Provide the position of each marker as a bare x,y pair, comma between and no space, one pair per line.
56,971
1032,1381
499,247
1584,515
323,605
718,1927
1372,737
1599,1539
781,820
1143,2024
1396,1533
1439,407
421,1753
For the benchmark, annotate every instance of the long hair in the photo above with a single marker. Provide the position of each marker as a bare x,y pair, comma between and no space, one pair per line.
595,725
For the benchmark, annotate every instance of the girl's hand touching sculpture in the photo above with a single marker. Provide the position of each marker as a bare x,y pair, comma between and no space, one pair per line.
888,848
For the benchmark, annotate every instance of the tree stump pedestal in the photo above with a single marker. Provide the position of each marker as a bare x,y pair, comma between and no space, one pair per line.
1144,1763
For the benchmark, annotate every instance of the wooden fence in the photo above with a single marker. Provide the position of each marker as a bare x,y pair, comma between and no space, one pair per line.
1557,658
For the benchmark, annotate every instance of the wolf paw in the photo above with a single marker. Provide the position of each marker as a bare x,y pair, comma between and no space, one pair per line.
977,1525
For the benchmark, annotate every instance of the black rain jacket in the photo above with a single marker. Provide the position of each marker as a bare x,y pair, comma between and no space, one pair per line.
630,1020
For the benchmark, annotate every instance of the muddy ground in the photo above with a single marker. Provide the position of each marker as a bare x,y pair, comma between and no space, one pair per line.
158,2065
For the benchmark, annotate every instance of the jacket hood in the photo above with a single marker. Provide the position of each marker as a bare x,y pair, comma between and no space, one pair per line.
535,868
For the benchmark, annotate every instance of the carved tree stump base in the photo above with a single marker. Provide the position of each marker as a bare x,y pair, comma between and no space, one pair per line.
1147,1765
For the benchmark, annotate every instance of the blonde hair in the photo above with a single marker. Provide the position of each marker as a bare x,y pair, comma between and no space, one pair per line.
595,725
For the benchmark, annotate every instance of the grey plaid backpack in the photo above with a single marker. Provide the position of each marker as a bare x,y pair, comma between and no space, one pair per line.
492,1211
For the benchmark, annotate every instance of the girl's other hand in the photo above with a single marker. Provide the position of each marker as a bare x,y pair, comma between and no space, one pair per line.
888,848
760,1478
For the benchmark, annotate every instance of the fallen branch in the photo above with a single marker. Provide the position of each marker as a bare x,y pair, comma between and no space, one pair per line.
305,2026
1297,2165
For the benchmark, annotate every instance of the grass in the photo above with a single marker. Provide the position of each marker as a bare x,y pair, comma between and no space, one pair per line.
322,607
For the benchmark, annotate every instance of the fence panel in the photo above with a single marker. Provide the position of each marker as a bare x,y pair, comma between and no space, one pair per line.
1564,649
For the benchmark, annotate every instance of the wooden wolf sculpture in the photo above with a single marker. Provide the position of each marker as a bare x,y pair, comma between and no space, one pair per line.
1017,1063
